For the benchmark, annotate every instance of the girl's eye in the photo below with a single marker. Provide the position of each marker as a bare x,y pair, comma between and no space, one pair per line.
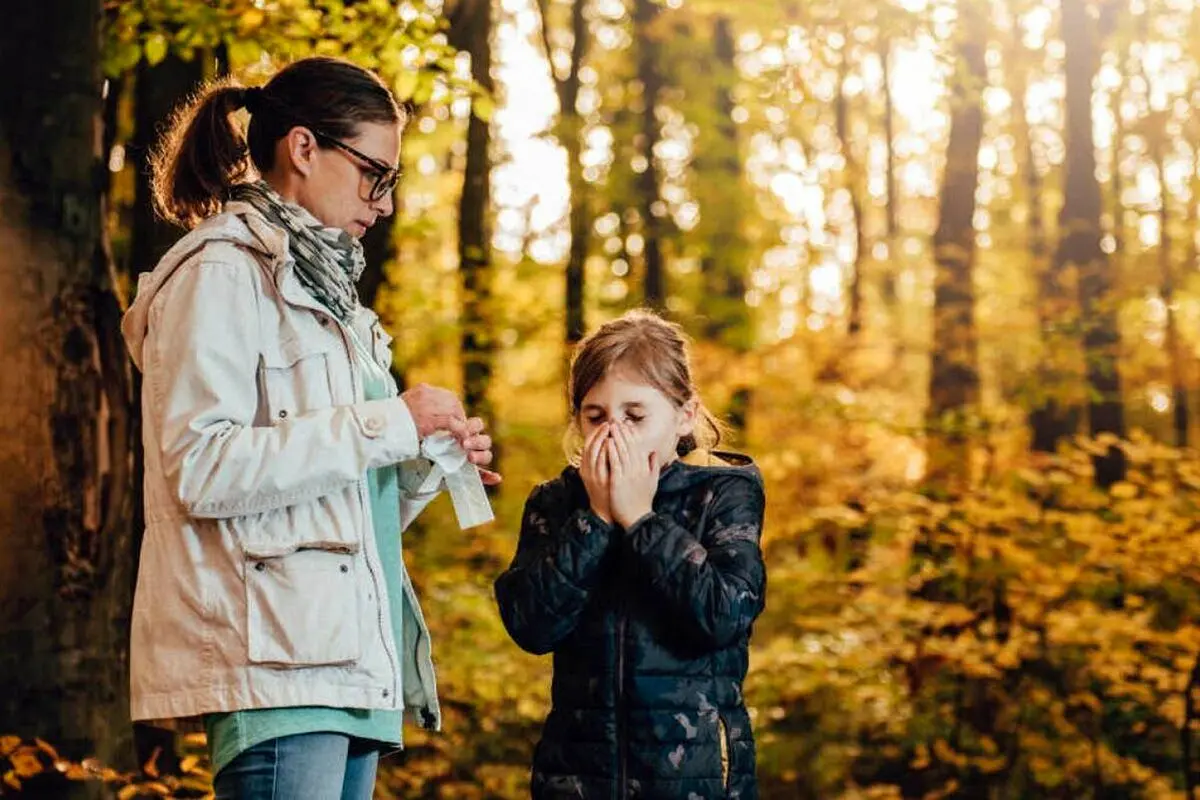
633,419
595,420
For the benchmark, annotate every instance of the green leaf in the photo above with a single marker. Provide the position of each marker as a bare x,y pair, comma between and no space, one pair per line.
156,48
406,84
242,51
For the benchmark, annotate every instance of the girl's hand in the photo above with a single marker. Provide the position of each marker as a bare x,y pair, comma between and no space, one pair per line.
594,469
634,480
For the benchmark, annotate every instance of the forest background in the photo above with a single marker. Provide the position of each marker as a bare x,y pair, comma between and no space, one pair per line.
941,262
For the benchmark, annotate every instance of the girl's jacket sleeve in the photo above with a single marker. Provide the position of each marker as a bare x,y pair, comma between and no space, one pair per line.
561,550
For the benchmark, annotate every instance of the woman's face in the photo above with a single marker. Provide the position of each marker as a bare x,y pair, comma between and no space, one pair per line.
335,184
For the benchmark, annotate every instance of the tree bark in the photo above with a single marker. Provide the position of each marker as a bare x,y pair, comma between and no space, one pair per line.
954,376
723,266
471,32
889,135
1080,243
1179,383
649,182
1176,358
66,440
570,133
889,128
1036,227
850,177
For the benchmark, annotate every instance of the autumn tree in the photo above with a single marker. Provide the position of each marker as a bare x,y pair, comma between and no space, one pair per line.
66,508
954,375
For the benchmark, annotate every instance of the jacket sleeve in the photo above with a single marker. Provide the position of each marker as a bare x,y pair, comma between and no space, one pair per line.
713,581
559,554
412,500
202,374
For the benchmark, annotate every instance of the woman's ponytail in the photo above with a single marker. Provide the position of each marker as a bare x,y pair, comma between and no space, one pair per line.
201,154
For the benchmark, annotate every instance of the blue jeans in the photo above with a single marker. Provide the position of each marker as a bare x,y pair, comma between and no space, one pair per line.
307,766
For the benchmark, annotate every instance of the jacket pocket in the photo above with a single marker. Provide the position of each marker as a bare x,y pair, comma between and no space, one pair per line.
294,379
302,609
723,742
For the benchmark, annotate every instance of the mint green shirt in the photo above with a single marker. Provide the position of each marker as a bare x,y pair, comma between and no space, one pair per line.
231,733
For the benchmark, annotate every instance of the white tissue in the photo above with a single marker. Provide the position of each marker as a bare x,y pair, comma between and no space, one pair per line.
449,459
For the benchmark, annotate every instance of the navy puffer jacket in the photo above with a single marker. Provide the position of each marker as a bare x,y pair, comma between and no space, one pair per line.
649,628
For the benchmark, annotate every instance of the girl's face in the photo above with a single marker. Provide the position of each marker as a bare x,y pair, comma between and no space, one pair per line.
657,424
337,183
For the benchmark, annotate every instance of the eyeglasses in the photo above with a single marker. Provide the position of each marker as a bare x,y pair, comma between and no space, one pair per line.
386,177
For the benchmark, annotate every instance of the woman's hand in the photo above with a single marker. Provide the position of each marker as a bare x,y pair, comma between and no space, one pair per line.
634,480
594,470
435,409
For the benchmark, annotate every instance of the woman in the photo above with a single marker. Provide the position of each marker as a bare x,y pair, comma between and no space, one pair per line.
281,464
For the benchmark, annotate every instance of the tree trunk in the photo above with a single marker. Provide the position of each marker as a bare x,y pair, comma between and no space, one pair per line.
570,133
850,176
1118,182
1036,227
648,182
1177,359
1193,207
472,33
723,266
954,376
1057,414
889,135
66,440
580,212
889,129
379,248
1080,243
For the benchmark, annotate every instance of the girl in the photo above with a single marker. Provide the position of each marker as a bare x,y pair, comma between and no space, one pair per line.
643,575
281,462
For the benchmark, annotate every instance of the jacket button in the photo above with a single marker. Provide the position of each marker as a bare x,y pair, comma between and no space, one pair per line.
386,693
261,566
283,413
373,425
345,568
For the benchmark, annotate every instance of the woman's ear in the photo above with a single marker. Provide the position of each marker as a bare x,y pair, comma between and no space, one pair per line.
300,146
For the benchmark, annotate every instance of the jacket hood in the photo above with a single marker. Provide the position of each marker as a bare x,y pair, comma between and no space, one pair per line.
238,225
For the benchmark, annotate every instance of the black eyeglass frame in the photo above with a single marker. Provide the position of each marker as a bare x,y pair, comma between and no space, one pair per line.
386,177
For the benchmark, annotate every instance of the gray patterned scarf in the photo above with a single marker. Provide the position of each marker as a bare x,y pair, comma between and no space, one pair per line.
329,261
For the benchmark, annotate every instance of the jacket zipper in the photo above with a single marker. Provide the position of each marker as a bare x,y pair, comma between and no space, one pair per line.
358,392
622,744
723,741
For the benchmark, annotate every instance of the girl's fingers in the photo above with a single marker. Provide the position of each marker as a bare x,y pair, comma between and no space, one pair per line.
623,446
616,466
593,446
603,467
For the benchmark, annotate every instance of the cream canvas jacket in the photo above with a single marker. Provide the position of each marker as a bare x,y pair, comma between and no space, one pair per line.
260,584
